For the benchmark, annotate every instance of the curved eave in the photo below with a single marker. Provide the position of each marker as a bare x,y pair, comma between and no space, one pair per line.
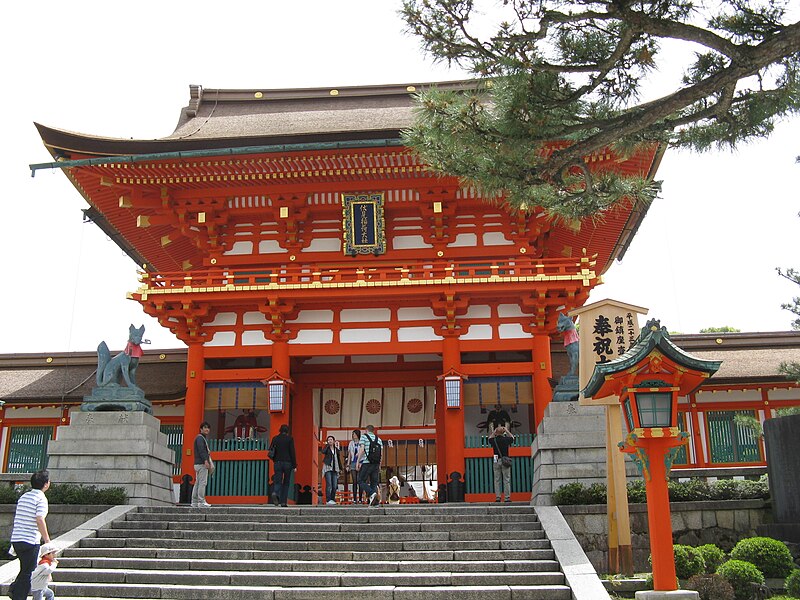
655,341
65,144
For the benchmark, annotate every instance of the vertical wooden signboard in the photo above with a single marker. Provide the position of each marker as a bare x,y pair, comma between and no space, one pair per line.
607,329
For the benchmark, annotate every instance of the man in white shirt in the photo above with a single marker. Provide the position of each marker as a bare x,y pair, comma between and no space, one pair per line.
30,529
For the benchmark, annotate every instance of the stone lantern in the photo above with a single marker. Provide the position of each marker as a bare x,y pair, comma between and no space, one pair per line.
648,379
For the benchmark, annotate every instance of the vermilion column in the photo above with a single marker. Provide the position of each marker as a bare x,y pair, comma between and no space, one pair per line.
658,514
305,434
280,363
194,406
542,372
453,424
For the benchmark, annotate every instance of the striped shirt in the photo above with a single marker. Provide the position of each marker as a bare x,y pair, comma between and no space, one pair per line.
31,505
366,441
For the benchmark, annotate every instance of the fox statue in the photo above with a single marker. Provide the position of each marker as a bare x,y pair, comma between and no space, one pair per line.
109,369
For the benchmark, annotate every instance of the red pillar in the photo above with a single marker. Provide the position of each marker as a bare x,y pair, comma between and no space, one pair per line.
542,372
280,364
194,407
452,446
658,515
306,434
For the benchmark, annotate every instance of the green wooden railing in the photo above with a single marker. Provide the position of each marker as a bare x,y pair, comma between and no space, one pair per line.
479,476
482,441
232,444
27,449
239,478
174,435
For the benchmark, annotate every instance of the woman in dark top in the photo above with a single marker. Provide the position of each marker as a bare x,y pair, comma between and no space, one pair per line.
283,463
331,467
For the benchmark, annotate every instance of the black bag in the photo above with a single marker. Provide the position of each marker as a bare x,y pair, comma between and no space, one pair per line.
506,462
271,452
374,453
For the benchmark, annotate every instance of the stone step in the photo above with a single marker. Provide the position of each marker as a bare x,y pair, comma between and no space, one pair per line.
305,578
86,551
379,527
383,592
185,563
318,546
340,517
339,536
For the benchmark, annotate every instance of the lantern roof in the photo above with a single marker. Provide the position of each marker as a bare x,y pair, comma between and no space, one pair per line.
653,339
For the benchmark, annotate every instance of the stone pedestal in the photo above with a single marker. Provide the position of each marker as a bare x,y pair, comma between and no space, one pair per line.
115,397
570,445
567,389
115,449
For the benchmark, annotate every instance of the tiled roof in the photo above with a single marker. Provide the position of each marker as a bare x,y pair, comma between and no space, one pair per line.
62,381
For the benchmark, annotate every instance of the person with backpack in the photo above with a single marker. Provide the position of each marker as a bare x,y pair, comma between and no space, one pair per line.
370,454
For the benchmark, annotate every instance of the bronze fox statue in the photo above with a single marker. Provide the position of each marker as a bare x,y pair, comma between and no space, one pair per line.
109,369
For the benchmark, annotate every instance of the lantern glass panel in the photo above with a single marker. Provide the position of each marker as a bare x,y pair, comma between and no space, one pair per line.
655,409
452,391
276,393
626,407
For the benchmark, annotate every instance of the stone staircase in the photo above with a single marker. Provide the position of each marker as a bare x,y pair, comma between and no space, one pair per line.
387,552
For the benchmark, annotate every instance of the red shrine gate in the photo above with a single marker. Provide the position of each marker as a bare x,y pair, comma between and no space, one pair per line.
305,257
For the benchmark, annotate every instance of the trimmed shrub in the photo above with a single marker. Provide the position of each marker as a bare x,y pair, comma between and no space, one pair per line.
713,556
636,492
740,574
723,489
596,494
711,587
9,494
792,584
70,493
688,491
771,556
688,561
570,493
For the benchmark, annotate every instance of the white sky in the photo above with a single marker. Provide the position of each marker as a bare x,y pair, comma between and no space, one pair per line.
705,255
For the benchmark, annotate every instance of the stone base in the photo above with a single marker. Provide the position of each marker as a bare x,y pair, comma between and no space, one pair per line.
673,595
567,389
570,445
115,397
115,449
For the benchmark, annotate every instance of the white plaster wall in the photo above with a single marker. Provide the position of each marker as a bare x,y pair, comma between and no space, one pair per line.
269,247
365,315
222,338
478,332
254,318
479,311
353,336
255,338
223,319
313,316
416,313
240,248
417,334
512,331
409,242
313,336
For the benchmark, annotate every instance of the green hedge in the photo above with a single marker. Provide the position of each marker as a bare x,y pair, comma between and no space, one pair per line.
740,574
69,493
679,491
771,556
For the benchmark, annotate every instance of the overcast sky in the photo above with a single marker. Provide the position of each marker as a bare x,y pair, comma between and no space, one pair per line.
705,255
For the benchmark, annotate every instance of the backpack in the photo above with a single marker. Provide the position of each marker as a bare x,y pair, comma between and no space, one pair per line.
374,452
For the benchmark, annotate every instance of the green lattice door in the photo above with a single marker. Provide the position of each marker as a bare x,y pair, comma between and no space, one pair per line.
729,442
174,435
27,449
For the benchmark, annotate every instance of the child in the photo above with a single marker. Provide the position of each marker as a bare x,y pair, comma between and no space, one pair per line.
41,576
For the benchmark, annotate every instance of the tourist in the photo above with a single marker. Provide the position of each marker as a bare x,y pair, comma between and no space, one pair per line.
29,530
501,440
283,462
370,455
393,490
43,574
352,459
331,467
203,465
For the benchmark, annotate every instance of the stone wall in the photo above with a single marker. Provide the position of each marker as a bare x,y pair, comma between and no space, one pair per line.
693,523
60,519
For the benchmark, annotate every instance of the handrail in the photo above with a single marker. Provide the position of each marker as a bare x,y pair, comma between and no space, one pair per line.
296,276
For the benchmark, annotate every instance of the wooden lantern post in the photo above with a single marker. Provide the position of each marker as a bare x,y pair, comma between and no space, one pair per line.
648,379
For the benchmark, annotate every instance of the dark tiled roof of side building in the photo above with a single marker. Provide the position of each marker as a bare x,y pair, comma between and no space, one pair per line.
746,358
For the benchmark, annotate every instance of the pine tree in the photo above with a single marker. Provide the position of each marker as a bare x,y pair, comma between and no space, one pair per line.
792,369
575,71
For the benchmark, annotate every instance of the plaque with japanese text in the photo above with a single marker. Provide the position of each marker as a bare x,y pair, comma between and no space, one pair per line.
363,224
